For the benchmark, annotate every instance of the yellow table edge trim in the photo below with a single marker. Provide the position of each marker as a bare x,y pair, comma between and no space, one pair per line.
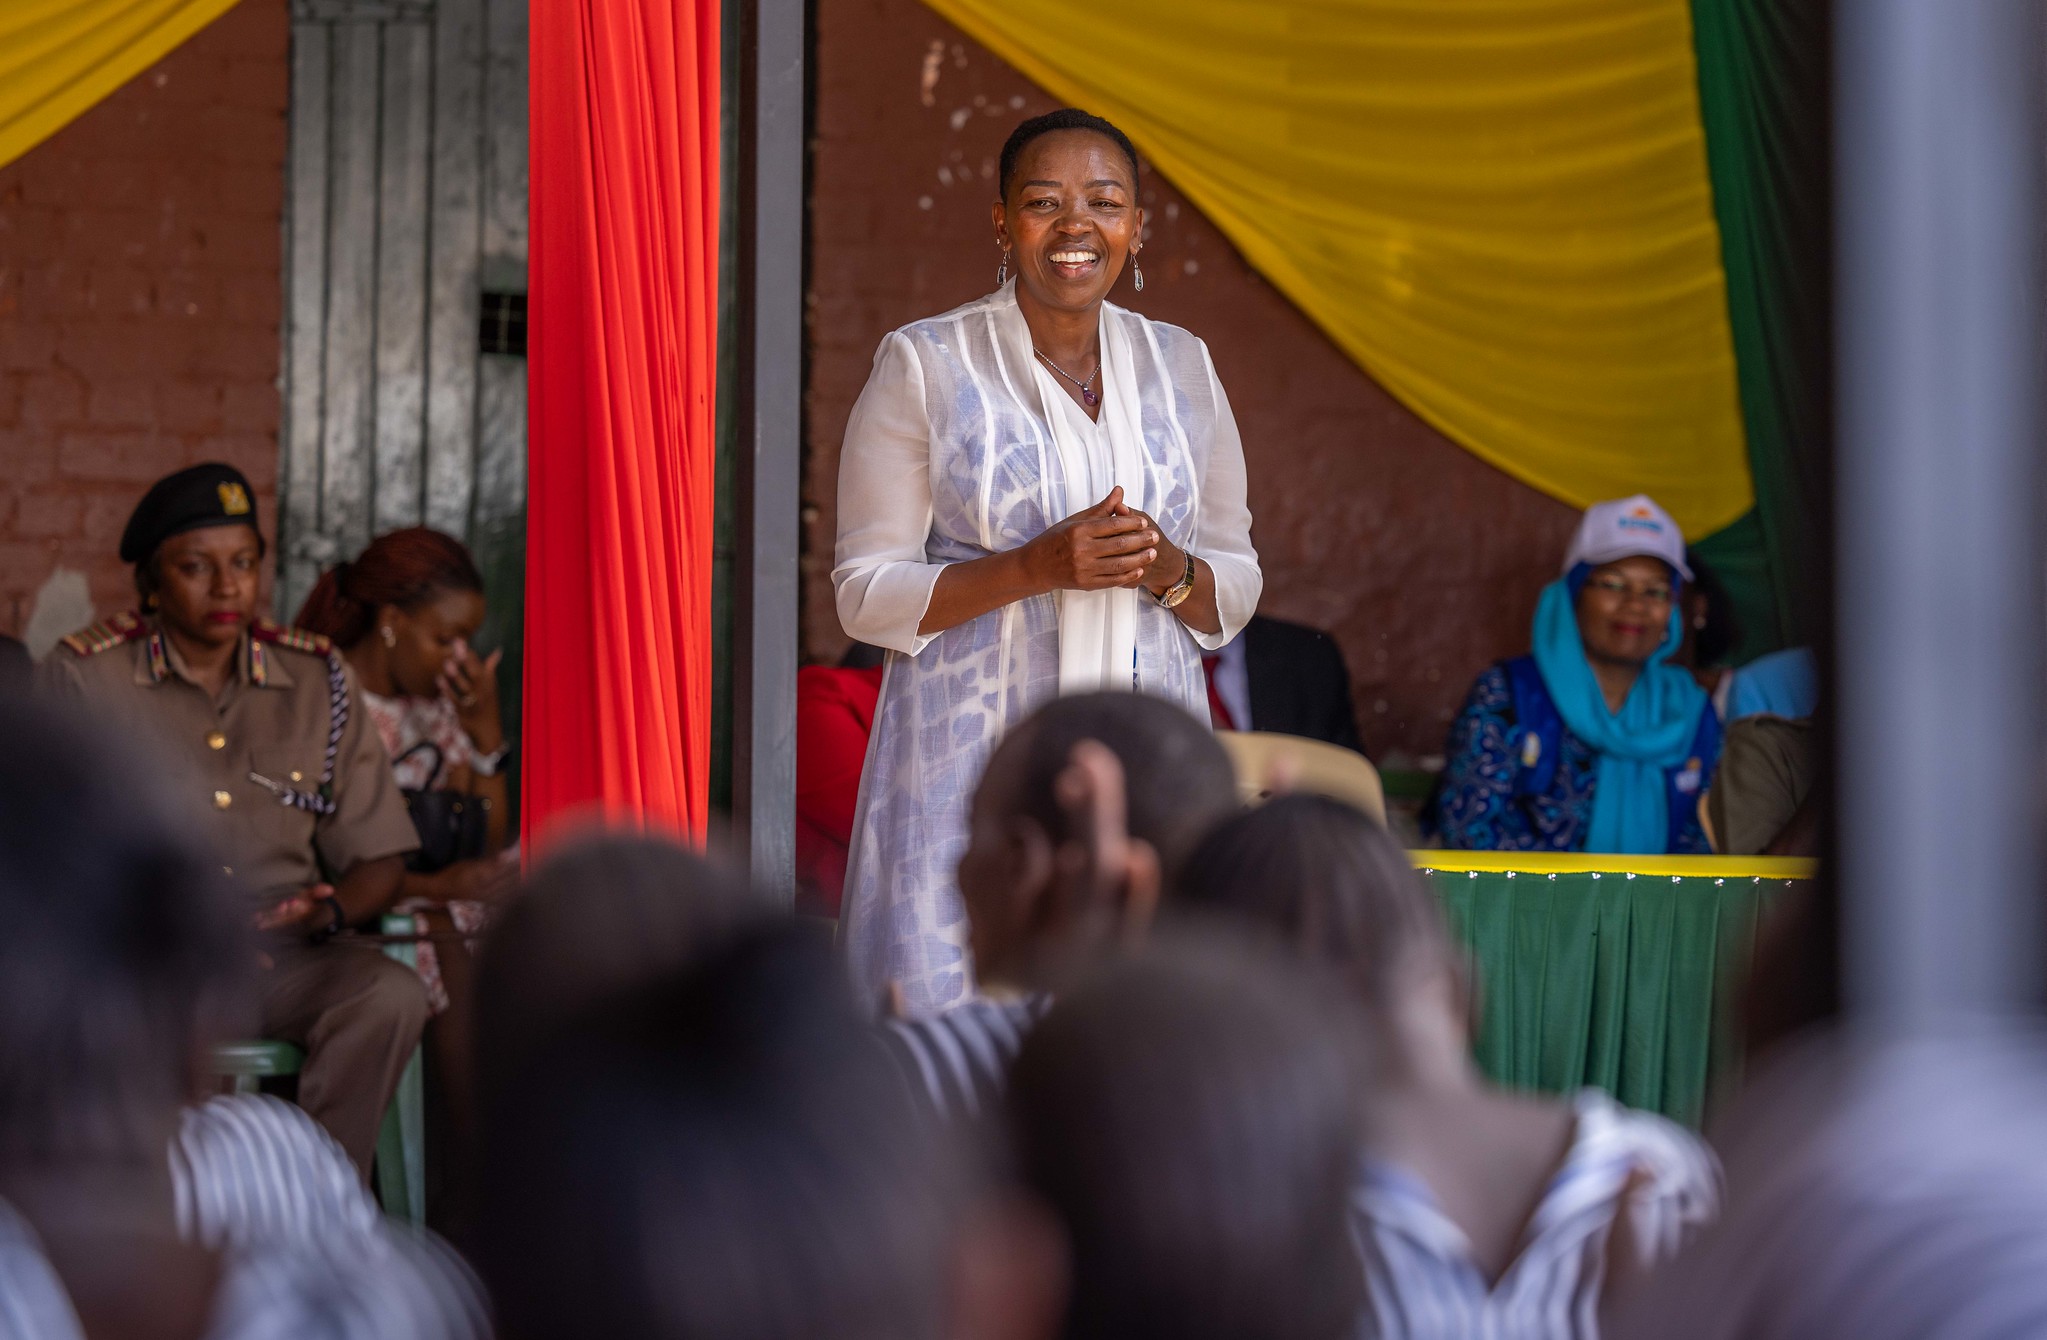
1579,863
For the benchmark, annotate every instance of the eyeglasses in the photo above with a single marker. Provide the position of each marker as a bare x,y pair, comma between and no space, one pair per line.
1619,590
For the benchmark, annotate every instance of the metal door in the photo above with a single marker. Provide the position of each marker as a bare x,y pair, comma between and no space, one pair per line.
405,275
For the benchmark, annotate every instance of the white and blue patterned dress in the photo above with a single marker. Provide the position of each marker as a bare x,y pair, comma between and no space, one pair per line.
962,446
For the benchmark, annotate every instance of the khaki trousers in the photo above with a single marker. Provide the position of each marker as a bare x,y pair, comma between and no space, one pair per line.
358,1015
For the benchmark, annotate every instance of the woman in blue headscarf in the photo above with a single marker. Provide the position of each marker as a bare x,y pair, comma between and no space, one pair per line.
1593,742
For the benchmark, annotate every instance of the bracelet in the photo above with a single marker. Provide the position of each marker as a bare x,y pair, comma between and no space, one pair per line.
1180,590
337,921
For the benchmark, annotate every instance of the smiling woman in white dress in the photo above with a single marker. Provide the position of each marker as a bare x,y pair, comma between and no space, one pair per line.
1040,493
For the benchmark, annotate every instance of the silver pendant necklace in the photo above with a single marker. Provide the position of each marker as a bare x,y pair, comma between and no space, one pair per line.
1088,396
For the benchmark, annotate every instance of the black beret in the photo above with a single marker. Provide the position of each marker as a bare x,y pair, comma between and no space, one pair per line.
199,496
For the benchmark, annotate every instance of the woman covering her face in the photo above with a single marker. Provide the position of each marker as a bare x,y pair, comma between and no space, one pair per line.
1040,494
405,614
1594,741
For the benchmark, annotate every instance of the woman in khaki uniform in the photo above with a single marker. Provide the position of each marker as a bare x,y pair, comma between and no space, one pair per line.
260,731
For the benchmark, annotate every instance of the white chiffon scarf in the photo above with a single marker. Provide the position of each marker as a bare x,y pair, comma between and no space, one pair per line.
1097,629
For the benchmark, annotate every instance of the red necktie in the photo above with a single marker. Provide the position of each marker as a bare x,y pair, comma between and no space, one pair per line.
1218,710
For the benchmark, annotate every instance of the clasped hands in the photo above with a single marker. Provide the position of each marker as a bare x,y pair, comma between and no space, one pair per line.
1109,546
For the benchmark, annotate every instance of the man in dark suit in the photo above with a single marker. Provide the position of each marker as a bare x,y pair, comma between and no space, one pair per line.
1284,677
16,669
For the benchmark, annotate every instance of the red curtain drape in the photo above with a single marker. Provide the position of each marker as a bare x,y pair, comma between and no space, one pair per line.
621,377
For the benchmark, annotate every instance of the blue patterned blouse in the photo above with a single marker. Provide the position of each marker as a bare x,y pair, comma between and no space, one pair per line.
1476,805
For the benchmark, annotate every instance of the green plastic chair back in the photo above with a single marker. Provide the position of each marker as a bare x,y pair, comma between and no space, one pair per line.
401,1144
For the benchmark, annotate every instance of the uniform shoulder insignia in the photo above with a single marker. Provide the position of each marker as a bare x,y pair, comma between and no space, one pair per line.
107,634
298,639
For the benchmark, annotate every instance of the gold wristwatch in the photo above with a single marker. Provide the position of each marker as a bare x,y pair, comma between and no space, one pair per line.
1181,589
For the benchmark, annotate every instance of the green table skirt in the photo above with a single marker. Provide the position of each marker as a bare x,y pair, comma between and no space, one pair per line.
1619,978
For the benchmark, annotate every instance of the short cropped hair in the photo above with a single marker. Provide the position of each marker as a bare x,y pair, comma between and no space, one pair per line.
1325,879
122,950
1190,1117
1179,779
601,916
1066,118
725,1154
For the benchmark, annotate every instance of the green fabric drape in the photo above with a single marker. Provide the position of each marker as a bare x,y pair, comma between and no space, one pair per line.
1618,981
1763,96
1500,210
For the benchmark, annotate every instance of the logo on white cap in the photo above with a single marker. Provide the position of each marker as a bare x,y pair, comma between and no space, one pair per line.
1627,528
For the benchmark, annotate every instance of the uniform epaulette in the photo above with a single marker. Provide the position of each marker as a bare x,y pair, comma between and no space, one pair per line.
298,639
107,634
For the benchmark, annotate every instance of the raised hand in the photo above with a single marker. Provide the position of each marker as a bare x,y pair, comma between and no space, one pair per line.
471,683
1106,873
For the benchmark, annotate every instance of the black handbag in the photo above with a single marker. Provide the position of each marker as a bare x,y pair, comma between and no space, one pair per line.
452,826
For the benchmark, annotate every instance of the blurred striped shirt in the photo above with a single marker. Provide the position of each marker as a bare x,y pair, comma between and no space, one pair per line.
1421,1282
250,1169
1878,1190
305,1252
958,1061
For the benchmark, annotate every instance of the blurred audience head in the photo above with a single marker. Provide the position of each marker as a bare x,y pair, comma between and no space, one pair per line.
1188,1116
1080,772
722,1151
1339,890
417,591
603,915
122,951
1794,984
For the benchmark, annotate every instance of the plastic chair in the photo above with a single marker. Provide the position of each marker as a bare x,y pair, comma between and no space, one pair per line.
248,1064
401,1143
1268,764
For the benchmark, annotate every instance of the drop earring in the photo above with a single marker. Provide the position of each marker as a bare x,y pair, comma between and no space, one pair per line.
390,638
1002,271
1136,272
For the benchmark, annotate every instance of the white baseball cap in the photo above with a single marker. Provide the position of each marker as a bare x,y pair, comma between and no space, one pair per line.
1627,528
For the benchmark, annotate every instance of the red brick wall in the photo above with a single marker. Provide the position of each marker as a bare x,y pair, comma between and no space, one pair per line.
1423,560
140,288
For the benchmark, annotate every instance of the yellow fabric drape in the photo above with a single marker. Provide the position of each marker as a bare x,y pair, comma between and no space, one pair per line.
1499,208
59,57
